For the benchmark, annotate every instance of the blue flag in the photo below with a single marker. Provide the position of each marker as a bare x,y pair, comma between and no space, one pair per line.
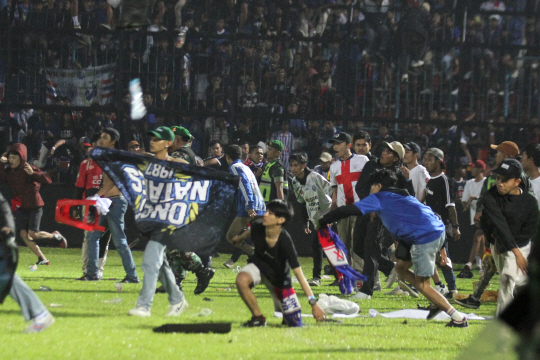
182,206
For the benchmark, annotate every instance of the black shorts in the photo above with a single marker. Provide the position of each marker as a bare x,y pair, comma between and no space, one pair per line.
28,219
403,251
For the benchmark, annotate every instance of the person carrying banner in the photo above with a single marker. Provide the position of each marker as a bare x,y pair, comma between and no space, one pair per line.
420,234
113,220
155,264
25,181
271,265
315,192
274,183
32,308
344,175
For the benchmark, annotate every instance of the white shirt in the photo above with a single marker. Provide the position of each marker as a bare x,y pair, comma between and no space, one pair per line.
536,188
419,177
344,175
472,188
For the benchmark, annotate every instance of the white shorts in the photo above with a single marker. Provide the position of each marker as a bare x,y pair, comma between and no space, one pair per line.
258,278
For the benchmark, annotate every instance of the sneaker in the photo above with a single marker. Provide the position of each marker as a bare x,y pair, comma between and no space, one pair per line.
397,291
405,78
392,278
87,278
178,309
139,311
408,288
40,323
377,287
361,296
62,242
443,290
100,275
77,26
229,264
43,262
466,273
314,282
469,302
256,321
130,280
203,280
462,324
433,311
418,63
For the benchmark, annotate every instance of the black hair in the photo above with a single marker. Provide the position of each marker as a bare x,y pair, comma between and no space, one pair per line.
386,177
114,134
362,135
214,142
281,208
533,152
95,138
234,152
253,147
242,142
299,157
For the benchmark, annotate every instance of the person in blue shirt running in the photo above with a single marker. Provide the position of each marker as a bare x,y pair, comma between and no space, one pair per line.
420,233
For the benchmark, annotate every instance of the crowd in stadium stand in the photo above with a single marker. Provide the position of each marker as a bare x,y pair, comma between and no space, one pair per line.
261,70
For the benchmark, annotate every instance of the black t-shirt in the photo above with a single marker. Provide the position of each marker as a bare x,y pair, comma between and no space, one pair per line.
439,196
274,263
457,188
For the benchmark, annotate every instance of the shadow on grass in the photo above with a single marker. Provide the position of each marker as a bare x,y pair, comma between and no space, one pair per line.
77,291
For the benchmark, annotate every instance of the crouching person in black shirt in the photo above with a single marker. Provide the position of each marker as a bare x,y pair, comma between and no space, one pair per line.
271,265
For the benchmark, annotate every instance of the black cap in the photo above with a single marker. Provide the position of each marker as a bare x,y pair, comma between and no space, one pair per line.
510,169
341,137
412,146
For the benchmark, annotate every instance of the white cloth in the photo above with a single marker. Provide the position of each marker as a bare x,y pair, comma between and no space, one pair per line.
345,175
102,204
510,276
536,188
419,177
420,314
472,188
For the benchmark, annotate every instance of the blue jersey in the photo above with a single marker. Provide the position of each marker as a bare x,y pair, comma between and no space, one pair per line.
404,216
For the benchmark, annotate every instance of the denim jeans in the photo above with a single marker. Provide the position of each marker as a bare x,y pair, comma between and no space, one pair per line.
30,304
156,266
114,220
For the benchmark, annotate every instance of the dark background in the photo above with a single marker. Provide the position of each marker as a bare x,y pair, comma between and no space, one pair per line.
51,193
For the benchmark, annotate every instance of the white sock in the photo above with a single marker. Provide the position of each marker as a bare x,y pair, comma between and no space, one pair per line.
469,265
478,261
455,315
75,20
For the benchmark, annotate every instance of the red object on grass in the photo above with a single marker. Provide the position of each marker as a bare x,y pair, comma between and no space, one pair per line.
63,217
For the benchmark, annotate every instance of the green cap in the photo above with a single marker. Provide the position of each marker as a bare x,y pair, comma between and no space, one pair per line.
276,144
162,133
181,131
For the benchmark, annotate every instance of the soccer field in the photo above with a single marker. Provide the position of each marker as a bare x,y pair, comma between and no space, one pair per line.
92,321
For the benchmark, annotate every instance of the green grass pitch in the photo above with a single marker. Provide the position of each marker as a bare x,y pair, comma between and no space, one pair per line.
89,328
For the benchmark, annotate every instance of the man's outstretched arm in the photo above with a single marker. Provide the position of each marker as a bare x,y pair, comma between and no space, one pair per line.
341,212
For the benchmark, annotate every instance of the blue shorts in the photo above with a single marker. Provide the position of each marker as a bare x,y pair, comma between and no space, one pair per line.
423,256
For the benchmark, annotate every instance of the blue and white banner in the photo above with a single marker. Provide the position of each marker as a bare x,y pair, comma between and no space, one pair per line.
182,206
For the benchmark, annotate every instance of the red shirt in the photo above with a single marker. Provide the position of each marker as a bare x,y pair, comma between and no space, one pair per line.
89,176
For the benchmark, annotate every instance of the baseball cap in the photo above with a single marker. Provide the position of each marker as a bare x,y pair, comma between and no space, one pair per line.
479,164
341,137
133,143
412,146
276,144
438,153
181,131
326,157
509,148
396,147
510,169
162,133
85,141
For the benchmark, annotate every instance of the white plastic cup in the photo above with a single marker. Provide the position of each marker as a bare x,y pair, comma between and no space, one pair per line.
119,286
33,267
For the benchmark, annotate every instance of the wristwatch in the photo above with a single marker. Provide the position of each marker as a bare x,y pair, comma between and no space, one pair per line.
312,300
